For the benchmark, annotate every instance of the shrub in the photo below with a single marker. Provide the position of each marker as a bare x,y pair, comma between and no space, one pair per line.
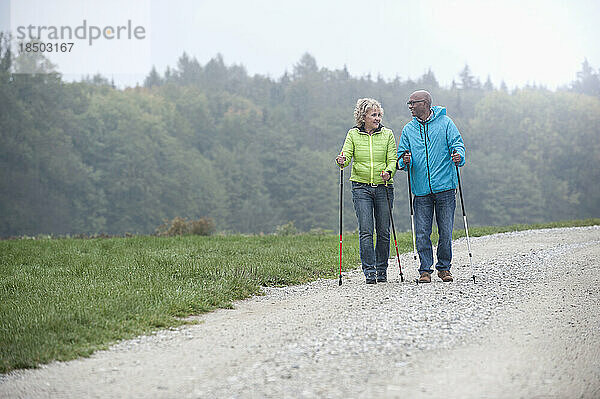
182,227
201,227
287,229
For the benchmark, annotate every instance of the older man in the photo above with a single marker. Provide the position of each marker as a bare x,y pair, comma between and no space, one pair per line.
430,146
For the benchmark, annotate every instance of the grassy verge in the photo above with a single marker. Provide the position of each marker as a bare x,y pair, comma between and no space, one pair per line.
65,298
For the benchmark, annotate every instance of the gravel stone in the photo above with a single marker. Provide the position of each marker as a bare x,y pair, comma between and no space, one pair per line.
528,327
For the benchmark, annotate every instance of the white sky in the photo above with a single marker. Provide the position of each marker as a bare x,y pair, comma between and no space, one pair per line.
518,41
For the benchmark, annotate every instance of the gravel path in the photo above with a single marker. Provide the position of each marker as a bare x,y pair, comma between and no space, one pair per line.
529,328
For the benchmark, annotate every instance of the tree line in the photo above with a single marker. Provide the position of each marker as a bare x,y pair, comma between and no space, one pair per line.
253,153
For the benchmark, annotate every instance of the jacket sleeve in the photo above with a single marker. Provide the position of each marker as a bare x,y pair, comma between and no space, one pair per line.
403,146
348,148
391,154
455,141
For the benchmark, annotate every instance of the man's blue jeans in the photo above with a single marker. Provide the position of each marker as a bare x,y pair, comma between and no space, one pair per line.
443,203
371,203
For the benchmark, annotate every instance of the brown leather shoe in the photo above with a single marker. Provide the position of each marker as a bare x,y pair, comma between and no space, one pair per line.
425,278
445,275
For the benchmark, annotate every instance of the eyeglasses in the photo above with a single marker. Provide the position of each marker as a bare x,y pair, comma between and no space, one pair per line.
413,102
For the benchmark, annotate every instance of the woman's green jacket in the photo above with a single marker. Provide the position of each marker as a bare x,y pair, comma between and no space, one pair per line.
372,154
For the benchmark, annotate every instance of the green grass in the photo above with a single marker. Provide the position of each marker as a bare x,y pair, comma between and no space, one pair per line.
65,298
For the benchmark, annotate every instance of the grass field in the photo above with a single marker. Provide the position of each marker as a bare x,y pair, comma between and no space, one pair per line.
66,298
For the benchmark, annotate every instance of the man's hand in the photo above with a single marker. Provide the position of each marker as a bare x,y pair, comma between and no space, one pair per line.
340,159
456,158
406,158
385,175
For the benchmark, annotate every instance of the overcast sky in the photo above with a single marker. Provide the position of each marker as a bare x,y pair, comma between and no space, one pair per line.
518,41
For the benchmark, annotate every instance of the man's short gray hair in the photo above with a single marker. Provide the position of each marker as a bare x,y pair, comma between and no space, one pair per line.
426,96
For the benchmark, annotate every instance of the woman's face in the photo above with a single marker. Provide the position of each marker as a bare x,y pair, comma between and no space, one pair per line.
372,119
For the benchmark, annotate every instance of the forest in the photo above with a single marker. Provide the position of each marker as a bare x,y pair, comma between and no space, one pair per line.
254,153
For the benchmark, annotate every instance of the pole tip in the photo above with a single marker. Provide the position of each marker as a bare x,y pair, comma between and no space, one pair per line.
473,279
340,282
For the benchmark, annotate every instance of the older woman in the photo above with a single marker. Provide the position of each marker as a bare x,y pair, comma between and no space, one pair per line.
373,149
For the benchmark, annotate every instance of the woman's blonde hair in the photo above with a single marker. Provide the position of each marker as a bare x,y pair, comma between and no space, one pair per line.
362,105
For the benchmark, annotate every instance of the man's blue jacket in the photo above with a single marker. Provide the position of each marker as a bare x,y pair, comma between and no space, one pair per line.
431,144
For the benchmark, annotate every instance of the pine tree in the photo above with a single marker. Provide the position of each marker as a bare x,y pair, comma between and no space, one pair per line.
488,85
153,79
588,81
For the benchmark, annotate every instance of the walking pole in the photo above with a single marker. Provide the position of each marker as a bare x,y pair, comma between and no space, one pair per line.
393,230
462,204
412,220
341,203
412,217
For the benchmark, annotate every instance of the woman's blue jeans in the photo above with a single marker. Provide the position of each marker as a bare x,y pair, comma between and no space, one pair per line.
443,203
373,213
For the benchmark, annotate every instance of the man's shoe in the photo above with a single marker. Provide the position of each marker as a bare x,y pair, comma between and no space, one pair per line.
371,281
425,278
445,275
382,279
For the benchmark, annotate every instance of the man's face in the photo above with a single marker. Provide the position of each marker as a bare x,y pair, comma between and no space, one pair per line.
418,106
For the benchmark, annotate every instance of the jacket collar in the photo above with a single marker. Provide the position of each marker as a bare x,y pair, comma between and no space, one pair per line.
361,129
431,113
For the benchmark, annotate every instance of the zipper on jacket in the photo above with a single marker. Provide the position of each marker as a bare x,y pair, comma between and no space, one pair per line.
371,153
427,161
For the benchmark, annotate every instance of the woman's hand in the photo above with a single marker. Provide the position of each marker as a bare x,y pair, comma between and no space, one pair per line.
385,175
340,159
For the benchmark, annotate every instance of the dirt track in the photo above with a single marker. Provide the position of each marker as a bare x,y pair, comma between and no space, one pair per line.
529,328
